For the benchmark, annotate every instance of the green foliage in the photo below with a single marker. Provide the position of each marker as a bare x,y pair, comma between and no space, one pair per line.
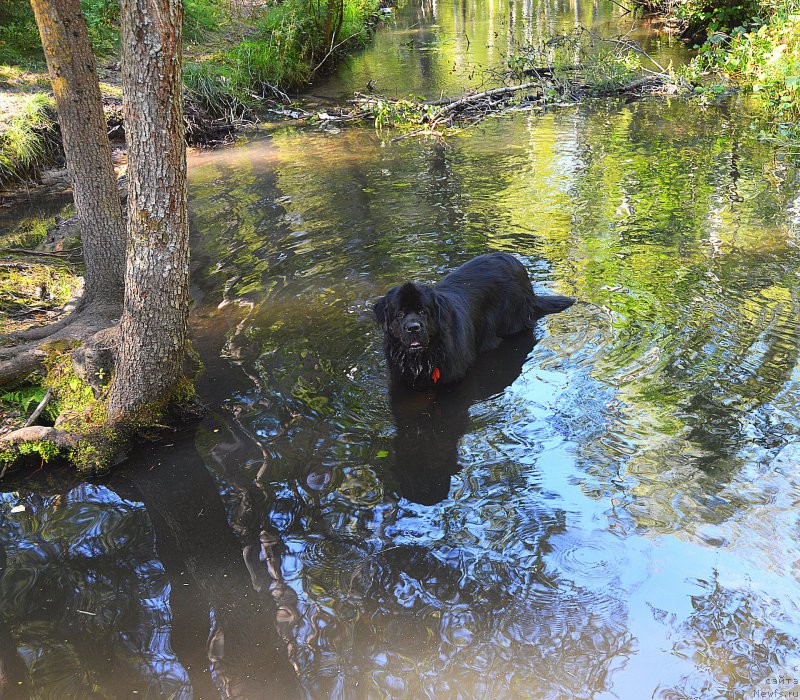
102,21
400,113
19,36
765,60
719,17
46,450
24,399
611,70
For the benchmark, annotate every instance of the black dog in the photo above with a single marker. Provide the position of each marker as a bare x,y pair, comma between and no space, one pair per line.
433,334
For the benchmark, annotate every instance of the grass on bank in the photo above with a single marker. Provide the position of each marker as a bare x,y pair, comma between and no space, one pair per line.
29,137
283,50
237,52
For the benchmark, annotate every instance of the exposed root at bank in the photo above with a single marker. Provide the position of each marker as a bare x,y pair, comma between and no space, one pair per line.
25,358
76,363
74,359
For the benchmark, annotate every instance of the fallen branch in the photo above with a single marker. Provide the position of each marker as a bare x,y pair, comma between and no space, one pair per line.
589,72
38,412
479,97
16,265
26,251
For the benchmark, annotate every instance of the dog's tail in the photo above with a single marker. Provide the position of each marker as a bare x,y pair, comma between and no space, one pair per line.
544,304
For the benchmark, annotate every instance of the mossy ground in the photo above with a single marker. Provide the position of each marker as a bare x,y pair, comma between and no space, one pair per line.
81,411
34,288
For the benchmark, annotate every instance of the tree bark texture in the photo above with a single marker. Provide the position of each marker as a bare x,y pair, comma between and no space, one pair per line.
70,62
154,320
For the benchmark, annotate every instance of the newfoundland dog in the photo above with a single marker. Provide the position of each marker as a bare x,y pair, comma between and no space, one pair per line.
433,334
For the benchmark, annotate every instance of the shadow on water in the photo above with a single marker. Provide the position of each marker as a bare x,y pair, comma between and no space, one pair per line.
217,608
429,425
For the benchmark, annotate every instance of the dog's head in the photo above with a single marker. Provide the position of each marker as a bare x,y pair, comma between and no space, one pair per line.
409,315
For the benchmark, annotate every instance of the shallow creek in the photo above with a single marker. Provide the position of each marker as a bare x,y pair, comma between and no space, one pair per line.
607,508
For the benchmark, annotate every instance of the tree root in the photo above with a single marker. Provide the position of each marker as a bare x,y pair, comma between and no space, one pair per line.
41,332
20,361
39,433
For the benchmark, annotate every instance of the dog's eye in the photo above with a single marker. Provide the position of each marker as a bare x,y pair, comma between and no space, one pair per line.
401,314
422,312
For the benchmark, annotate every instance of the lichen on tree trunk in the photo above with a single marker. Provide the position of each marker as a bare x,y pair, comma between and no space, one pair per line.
154,320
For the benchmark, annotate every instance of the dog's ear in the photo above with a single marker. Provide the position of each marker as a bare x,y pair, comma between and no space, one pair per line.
381,306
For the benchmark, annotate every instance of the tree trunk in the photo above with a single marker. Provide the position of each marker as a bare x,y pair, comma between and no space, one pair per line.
154,320
70,62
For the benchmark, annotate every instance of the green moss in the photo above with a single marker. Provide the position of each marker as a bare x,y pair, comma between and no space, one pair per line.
28,233
73,397
98,450
30,288
46,450
42,449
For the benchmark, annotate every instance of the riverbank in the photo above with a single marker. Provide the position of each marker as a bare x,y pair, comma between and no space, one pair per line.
751,46
240,56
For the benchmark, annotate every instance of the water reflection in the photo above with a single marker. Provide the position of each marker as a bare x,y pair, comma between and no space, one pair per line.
609,512
447,47
216,607
429,425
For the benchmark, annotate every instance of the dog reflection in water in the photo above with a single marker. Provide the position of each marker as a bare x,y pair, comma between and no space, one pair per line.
430,424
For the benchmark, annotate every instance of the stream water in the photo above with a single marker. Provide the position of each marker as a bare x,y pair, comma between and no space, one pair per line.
607,508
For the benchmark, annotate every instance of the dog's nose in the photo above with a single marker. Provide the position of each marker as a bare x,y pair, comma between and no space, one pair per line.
412,327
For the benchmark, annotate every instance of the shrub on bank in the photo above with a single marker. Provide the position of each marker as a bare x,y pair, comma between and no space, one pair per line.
764,57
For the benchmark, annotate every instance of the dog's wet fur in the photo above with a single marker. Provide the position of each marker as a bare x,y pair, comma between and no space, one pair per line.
432,334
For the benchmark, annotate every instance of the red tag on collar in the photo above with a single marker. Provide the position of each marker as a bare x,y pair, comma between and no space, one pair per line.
435,375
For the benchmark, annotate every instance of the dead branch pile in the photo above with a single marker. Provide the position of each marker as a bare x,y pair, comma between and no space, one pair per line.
557,72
